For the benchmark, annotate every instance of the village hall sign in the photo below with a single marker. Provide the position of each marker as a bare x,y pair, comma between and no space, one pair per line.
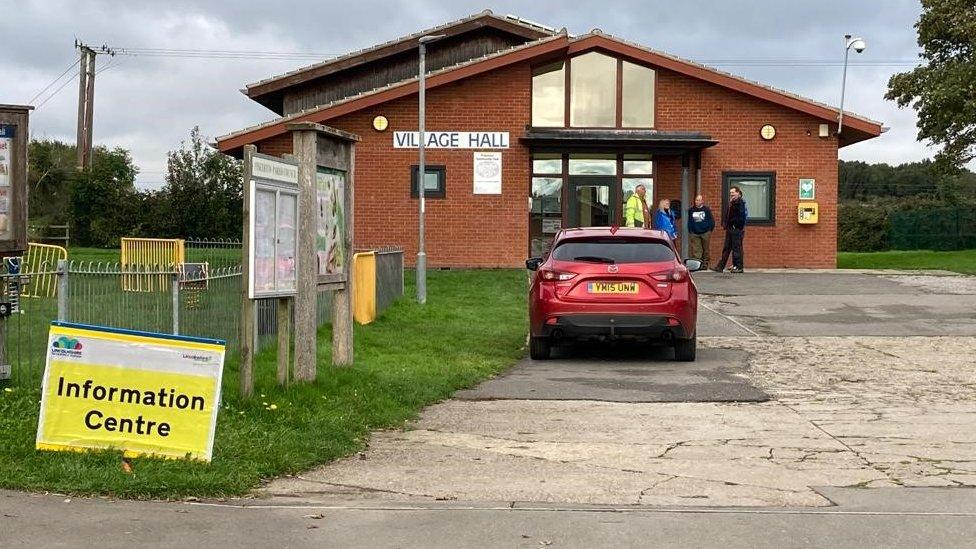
451,140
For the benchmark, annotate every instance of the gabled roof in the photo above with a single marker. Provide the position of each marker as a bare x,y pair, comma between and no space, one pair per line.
507,24
531,50
857,128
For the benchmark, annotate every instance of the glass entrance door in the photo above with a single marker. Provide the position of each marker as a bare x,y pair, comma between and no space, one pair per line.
590,200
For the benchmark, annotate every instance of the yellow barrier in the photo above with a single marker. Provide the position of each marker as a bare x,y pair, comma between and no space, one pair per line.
151,255
41,260
364,287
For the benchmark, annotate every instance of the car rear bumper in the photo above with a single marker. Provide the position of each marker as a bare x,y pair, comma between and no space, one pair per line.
614,326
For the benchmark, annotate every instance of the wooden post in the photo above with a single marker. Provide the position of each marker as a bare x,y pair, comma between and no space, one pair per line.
284,338
342,323
247,305
306,362
82,111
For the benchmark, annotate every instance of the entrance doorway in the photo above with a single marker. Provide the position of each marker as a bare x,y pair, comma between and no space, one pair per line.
591,201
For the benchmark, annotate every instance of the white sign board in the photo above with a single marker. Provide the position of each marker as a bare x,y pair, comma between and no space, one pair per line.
273,228
487,173
451,140
263,167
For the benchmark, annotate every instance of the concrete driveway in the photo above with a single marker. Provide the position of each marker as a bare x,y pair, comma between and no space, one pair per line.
806,382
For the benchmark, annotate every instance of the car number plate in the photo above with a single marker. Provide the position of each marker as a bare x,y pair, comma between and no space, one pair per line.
611,287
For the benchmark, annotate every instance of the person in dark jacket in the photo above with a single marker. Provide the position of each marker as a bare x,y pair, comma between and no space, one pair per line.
664,219
734,223
700,226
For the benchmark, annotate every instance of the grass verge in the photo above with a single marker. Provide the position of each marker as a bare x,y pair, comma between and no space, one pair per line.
962,261
472,327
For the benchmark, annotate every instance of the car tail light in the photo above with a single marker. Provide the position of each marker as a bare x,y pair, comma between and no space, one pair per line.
556,276
678,274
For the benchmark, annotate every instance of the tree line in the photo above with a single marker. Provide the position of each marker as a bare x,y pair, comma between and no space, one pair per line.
878,202
201,196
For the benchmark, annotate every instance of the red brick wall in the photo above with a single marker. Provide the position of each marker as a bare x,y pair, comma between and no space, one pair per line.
467,230
734,120
464,229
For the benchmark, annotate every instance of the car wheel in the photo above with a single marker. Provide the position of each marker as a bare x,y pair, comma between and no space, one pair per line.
539,348
684,349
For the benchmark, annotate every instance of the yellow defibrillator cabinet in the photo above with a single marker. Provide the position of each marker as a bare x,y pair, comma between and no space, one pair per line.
807,213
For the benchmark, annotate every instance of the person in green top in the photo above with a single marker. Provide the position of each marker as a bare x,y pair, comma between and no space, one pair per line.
636,213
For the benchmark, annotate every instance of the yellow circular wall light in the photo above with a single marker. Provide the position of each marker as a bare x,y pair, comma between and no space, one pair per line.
767,132
380,123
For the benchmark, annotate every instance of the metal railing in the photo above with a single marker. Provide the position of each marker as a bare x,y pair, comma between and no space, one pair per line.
196,302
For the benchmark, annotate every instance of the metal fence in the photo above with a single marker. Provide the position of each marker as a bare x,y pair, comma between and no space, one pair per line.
204,303
389,277
933,229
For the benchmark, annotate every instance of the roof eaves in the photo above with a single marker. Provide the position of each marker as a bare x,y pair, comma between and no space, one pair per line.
413,36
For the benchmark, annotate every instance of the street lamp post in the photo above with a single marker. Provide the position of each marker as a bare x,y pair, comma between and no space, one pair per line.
422,168
859,45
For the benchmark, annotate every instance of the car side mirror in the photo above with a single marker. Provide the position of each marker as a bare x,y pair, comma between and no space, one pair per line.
693,265
533,263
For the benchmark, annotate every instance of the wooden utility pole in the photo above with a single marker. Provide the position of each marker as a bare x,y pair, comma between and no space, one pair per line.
86,104
86,101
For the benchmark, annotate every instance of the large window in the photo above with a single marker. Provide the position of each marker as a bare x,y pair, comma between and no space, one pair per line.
759,192
549,95
604,92
637,96
593,91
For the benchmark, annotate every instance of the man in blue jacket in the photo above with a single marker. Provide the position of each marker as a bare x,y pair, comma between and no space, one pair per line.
664,219
700,226
734,223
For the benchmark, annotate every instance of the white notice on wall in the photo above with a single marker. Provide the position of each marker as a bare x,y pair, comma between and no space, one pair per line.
487,173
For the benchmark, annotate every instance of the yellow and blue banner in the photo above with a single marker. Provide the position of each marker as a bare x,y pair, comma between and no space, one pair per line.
140,392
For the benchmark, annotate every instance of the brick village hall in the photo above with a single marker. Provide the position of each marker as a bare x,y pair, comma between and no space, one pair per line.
531,129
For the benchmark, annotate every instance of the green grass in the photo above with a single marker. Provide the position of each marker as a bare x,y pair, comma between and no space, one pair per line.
963,261
472,327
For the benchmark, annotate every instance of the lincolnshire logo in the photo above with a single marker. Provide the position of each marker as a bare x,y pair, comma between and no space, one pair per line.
66,346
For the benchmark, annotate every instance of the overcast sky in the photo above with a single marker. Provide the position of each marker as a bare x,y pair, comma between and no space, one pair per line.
147,104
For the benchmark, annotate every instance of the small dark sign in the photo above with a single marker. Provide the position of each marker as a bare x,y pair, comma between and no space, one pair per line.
7,131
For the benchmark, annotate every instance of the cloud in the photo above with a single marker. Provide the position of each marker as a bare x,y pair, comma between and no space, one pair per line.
148,104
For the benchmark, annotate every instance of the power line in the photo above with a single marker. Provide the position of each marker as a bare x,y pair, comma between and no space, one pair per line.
61,87
292,55
60,76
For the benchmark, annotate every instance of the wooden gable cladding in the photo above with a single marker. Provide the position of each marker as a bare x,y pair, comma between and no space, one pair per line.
380,65
396,68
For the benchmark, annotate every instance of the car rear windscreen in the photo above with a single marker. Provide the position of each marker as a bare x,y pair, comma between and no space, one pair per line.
613,250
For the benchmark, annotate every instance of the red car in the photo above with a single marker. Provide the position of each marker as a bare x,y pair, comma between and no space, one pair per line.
607,283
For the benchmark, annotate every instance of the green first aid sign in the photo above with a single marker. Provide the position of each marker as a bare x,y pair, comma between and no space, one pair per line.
808,189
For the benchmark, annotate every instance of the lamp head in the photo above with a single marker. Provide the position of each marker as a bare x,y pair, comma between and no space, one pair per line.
858,44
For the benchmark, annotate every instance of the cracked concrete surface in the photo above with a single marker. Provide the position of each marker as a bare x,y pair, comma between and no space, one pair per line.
877,391
864,412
